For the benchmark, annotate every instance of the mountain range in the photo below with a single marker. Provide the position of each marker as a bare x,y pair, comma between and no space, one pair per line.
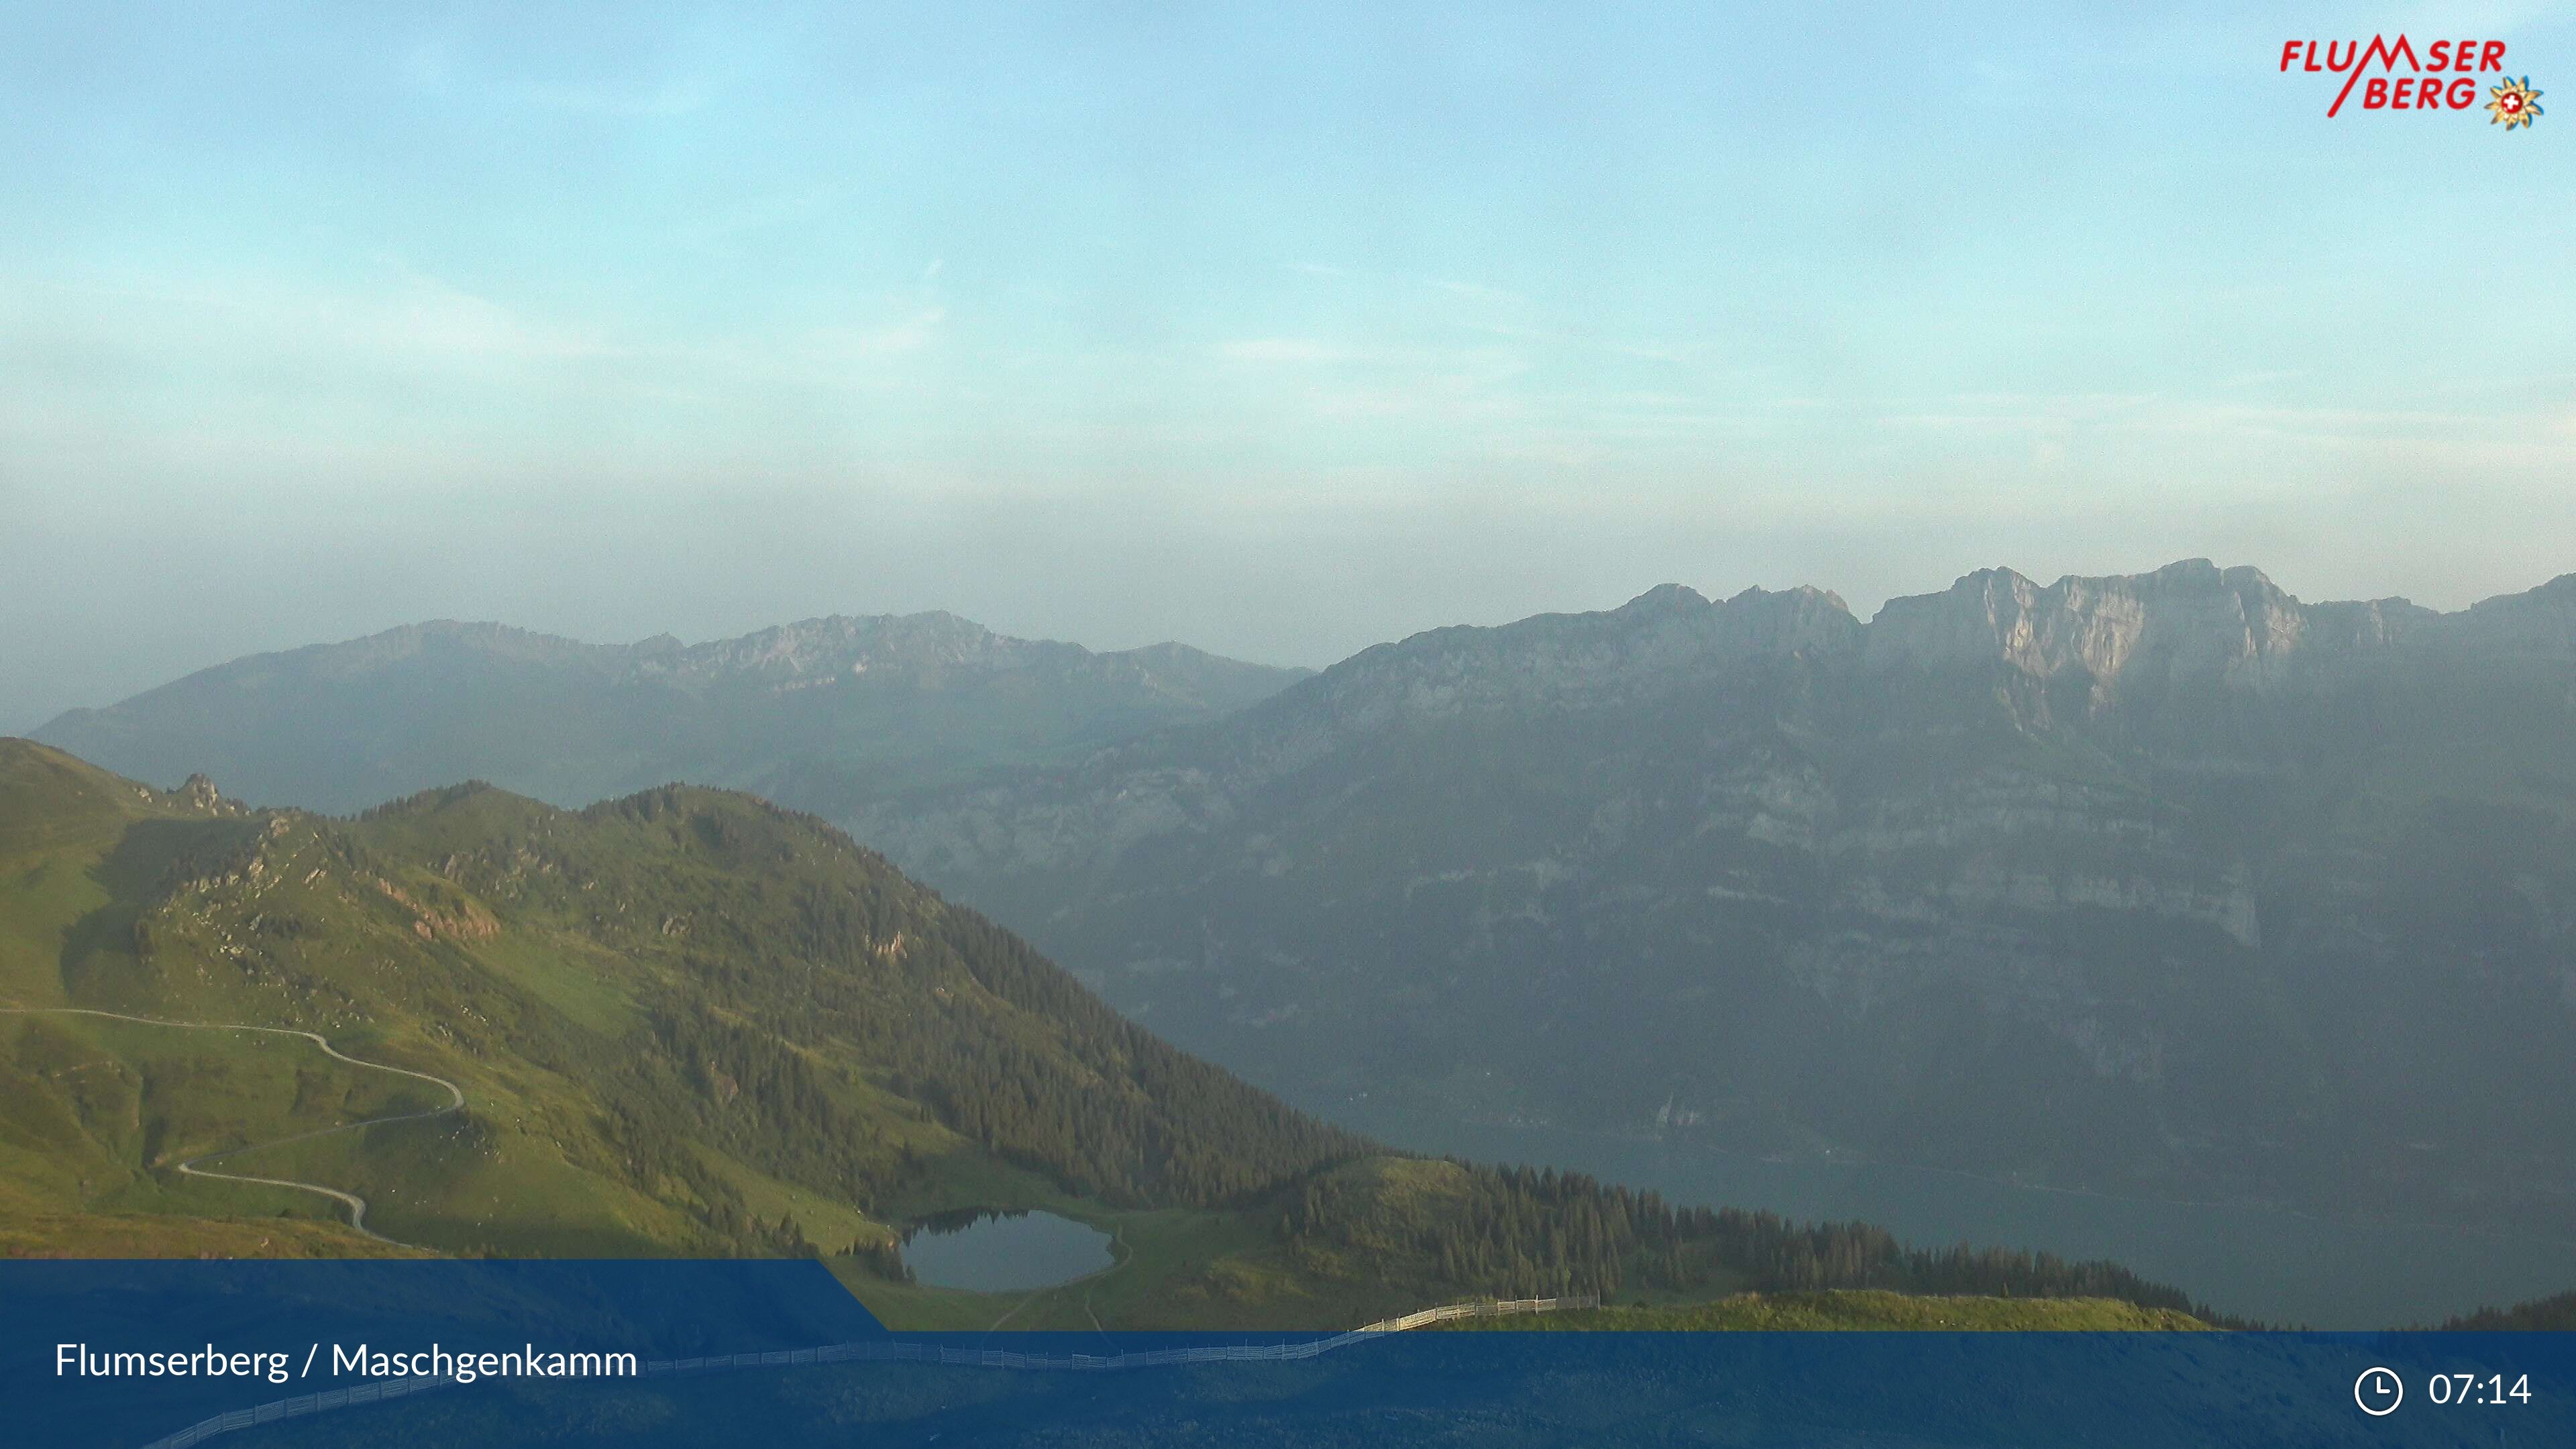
828,713
691,1022
2167,883
2163,884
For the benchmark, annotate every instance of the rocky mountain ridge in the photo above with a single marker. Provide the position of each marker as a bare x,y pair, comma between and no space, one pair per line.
928,643
825,711
2187,622
2167,882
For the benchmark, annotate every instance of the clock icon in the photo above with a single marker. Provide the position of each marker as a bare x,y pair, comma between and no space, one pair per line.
2378,1391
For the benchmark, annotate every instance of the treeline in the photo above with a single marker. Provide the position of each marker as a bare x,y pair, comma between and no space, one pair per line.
808,1011
946,1009
1506,1232
822,1005
758,1099
2558,1313
1520,1232
1774,1254
1174,1128
818,1005
1095,1105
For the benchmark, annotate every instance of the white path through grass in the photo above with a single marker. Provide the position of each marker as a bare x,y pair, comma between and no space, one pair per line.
356,1205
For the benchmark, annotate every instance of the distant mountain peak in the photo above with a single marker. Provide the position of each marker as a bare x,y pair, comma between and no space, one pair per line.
1805,594
2191,621
1665,597
1683,599
823,710
2135,879
2188,618
2539,622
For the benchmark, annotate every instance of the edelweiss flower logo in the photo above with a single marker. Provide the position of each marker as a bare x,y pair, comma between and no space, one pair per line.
2515,103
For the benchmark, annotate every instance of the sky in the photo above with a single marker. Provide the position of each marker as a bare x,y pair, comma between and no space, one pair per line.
1277,330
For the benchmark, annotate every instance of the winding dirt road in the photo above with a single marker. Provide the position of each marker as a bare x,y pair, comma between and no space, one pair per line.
357,1205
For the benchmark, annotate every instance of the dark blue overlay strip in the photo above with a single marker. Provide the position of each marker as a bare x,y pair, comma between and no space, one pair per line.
724,1355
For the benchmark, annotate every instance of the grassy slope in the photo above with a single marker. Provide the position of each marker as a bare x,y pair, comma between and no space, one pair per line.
521,972
139,1235
685,1023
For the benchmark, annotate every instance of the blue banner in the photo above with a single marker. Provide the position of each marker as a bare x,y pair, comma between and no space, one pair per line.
253,1355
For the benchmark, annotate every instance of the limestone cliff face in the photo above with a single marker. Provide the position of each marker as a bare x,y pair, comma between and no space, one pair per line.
2153,881
2185,623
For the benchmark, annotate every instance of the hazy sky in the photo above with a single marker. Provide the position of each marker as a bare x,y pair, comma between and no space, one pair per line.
1277,334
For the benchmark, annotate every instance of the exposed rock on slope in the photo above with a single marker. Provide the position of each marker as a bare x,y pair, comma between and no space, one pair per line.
2166,882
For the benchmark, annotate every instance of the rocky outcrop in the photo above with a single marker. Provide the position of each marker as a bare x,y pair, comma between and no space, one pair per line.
2186,622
